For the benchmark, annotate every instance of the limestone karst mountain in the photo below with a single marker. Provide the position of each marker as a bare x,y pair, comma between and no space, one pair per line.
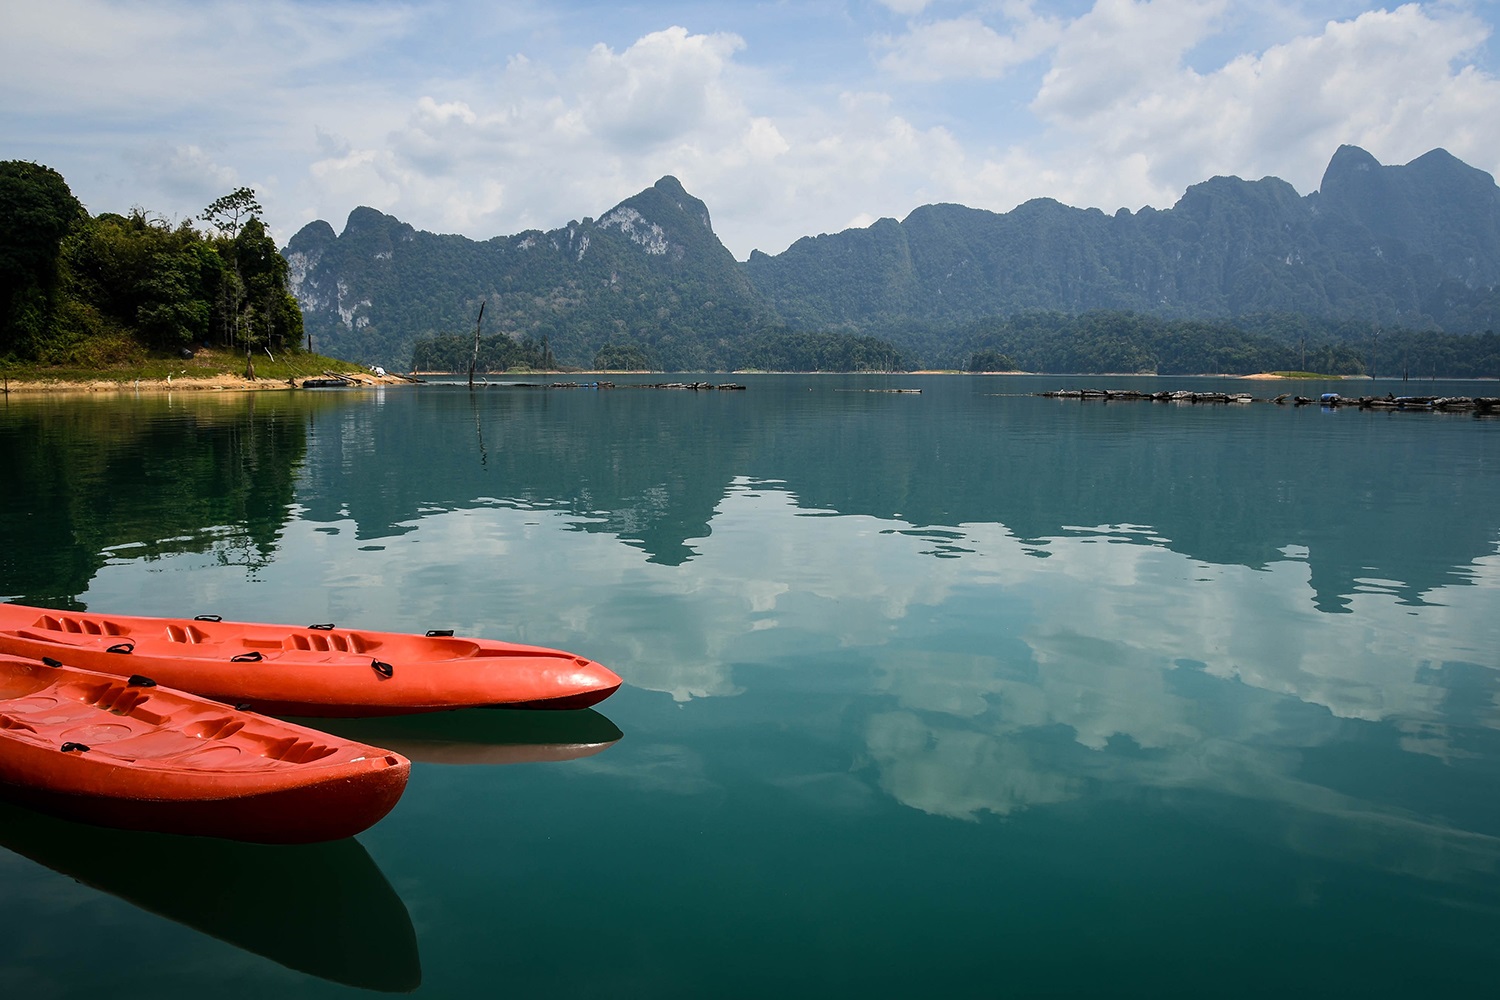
1415,246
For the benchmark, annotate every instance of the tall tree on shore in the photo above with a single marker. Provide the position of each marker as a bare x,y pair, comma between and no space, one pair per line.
271,316
37,210
231,215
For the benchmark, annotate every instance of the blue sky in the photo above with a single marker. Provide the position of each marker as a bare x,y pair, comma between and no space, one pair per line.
787,118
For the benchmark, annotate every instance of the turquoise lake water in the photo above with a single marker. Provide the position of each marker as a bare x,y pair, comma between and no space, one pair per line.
959,693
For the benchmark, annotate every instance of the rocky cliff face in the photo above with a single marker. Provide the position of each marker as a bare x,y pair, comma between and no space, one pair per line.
649,270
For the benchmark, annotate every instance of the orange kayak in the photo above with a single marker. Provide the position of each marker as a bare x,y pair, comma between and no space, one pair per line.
125,752
317,670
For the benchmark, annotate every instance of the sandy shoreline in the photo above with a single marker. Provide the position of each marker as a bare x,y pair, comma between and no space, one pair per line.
181,383
229,382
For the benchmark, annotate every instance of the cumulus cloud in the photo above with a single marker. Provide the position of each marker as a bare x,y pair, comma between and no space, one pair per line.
967,47
667,85
532,146
1120,52
1124,102
1395,82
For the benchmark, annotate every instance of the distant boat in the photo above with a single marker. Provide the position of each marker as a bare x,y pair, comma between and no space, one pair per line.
124,752
315,670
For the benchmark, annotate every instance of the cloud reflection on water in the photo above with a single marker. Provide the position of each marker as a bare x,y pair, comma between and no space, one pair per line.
1165,673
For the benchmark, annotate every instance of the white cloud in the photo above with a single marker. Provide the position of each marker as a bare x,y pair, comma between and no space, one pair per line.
668,85
966,47
551,144
1120,52
1394,82
528,120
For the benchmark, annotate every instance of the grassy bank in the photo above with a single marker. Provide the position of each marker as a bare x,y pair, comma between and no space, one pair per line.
206,363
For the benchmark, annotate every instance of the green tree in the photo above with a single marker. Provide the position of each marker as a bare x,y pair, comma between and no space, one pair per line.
37,210
990,360
139,274
621,357
232,215
232,211
272,318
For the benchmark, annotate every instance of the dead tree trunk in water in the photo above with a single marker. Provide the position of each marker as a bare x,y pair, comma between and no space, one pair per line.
474,360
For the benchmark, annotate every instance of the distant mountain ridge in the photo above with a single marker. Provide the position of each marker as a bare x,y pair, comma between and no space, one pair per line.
1415,245
650,270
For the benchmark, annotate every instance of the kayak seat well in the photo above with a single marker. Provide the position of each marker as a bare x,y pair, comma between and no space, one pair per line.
116,699
216,742
156,744
153,744
428,649
330,642
214,729
294,750
79,626
18,680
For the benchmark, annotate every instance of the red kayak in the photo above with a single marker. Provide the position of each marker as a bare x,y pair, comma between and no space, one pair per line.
124,752
317,670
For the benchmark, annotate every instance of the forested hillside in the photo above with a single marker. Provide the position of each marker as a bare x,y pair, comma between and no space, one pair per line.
1416,246
92,291
1109,341
1385,270
1237,276
649,274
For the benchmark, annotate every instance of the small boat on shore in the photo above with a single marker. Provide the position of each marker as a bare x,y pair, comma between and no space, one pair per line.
316,670
127,753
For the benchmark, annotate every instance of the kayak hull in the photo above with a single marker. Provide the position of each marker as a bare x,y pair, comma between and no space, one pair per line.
127,753
313,670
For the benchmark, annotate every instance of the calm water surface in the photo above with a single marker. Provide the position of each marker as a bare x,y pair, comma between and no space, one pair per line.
965,693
